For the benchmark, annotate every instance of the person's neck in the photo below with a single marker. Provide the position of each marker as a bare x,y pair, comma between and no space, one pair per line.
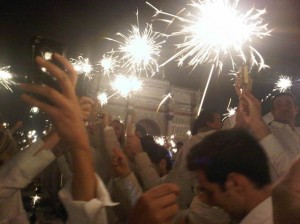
257,196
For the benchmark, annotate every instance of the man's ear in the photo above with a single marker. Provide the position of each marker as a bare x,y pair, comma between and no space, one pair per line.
235,182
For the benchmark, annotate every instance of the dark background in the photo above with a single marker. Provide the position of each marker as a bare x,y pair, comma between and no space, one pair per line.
83,25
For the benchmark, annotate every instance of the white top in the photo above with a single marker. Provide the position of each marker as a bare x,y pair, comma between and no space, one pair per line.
261,214
94,211
16,174
287,137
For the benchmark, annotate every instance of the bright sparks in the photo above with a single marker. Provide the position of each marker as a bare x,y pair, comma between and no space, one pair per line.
140,50
35,199
283,84
230,112
102,98
214,29
82,66
109,63
126,85
6,78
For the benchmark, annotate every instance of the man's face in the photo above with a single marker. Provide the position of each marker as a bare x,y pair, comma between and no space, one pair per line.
284,109
217,123
229,200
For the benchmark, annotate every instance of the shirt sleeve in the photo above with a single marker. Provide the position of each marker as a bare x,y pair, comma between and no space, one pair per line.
129,187
279,161
92,211
18,172
110,140
147,171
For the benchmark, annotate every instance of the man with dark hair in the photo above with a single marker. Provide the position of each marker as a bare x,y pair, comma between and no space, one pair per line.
233,174
280,139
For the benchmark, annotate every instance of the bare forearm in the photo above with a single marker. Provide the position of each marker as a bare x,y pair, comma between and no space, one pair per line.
260,129
84,183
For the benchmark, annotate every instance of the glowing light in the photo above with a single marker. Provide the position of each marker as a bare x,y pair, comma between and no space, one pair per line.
6,78
160,140
102,98
47,55
109,63
214,29
189,133
283,84
82,66
230,112
126,85
140,50
166,141
35,199
34,110
32,135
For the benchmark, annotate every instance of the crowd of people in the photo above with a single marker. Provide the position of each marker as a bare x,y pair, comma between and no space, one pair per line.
248,172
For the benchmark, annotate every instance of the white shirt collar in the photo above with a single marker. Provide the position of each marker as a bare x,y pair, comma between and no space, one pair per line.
261,214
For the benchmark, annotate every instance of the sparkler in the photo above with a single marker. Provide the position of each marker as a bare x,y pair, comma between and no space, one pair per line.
140,50
109,63
102,98
166,141
283,84
230,111
125,85
6,78
35,199
82,66
213,30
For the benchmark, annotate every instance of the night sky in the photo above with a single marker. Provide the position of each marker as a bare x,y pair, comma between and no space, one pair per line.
83,25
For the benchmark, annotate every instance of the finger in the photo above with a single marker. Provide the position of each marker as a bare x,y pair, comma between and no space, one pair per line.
86,100
50,110
169,212
62,77
51,94
68,66
163,189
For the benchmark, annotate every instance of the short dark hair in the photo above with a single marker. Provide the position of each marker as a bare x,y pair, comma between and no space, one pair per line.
204,117
227,151
155,151
284,94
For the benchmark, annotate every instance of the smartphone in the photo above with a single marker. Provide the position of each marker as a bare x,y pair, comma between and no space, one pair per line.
45,48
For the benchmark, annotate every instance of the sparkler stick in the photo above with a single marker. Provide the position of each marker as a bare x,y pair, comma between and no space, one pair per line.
205,90
164,100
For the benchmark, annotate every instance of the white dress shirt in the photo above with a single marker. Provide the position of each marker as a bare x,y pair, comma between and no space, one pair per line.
261,214
16,174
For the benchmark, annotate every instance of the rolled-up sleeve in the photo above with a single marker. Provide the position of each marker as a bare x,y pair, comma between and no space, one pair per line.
92,211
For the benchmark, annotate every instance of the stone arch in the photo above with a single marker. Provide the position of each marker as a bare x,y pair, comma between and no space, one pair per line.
150,127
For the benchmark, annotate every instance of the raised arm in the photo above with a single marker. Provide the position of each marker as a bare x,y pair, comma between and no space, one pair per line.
65,113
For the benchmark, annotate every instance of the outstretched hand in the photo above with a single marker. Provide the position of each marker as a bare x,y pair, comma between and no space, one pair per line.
65,111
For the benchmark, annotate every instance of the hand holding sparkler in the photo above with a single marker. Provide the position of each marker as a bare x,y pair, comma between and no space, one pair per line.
243,82
133,145
250,110
86,104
